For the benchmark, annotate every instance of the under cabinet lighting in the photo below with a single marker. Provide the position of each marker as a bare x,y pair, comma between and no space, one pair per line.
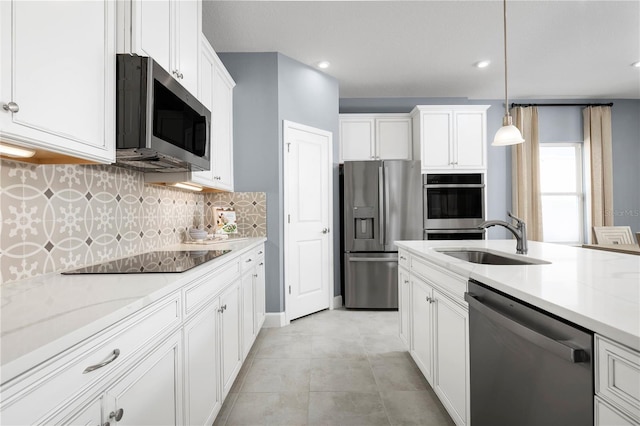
189,186
14,151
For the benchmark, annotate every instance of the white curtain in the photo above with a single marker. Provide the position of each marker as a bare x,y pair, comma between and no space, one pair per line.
525,172
598,152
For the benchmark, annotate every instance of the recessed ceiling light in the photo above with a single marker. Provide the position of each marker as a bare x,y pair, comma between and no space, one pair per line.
482,64
636,64
323,64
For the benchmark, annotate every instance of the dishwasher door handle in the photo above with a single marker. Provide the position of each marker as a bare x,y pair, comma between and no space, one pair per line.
561,349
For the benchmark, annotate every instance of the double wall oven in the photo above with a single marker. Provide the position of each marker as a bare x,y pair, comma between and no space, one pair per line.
454,206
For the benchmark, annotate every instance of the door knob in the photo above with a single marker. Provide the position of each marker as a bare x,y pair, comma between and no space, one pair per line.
117,415
325,230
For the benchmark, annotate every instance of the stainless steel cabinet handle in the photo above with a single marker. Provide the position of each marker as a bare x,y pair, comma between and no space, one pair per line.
325,230
430,299
106,424
403,258
114,355
260,264
406,281
117,415
260,252
248,260
561,349
255,275
11,107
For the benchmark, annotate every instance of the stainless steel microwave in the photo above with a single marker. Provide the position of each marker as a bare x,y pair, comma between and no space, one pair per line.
160,126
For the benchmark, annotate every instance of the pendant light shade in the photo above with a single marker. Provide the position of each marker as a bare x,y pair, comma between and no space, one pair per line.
508,134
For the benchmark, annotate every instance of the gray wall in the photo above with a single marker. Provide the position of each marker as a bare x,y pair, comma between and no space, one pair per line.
555,124
271,87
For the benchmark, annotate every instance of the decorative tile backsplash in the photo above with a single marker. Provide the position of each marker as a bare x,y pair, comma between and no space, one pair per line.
57,217
250,207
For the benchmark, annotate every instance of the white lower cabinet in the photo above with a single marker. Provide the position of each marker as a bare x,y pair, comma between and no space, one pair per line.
438,322
404,295
201,374
230,340
171,363
617,383
421,326
451,355
151,392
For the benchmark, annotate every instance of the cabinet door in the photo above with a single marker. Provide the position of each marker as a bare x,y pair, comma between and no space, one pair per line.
606,415
58,68
187,40
404,307
435,144
222,127
230,335
421,327
151,26
357,139
260,290
88,415
451,360
201,356
470,137
248,320
150,393
393,138
207,67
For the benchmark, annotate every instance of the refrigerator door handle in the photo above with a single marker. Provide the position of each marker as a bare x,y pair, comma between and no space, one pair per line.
381,206
386,203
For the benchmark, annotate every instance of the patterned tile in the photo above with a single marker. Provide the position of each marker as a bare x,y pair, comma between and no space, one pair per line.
57,217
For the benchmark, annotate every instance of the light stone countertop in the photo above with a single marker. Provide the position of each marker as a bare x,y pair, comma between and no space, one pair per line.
596,289
43,316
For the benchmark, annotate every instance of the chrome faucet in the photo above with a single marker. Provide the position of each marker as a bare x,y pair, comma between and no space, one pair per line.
519,230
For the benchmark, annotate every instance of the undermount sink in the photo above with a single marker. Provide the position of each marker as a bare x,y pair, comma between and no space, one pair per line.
486,257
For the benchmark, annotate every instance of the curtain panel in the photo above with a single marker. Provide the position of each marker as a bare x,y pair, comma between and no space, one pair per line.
525,172
598,151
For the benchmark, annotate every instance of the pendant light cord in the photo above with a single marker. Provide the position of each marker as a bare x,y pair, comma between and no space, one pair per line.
506,97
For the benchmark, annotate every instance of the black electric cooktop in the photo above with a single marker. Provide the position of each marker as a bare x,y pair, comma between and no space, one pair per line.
152,262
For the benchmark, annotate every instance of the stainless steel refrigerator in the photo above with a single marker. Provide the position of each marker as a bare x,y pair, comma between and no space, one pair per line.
382,203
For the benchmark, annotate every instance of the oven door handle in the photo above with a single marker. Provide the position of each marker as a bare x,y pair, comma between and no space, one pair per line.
453,185
561,349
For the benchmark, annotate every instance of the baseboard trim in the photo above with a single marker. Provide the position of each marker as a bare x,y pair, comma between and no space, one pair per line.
337,302
274,320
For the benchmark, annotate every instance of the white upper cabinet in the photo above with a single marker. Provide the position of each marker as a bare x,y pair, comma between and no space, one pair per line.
57,78
450,137
166,30
216,93
375,137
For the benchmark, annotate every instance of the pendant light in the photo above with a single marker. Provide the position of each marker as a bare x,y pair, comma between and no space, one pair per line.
508,134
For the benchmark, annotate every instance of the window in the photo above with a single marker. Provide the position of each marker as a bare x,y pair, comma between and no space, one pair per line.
562,191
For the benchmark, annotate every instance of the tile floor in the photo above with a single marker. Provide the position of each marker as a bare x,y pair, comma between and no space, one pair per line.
337,367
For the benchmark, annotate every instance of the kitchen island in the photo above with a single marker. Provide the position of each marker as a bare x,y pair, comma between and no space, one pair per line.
599,291
85,349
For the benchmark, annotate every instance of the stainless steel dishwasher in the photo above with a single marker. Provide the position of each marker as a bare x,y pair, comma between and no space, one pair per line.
527,367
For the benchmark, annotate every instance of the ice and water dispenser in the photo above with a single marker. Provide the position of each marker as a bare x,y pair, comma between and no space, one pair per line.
363,226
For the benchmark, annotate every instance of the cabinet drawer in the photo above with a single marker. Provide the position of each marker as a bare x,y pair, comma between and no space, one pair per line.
403,259
64,380
198,293
618,376
454,285
250,259
606,415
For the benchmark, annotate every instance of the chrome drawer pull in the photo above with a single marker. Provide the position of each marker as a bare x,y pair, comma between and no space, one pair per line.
114,355
248,260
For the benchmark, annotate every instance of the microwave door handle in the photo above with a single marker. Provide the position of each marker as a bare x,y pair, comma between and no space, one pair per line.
381,205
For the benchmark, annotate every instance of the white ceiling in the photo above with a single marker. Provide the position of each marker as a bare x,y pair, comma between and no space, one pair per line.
557,49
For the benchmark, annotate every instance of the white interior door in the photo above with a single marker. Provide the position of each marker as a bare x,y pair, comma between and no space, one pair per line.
308,251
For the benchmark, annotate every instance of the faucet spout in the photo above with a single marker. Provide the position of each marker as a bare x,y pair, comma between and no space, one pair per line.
519,230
